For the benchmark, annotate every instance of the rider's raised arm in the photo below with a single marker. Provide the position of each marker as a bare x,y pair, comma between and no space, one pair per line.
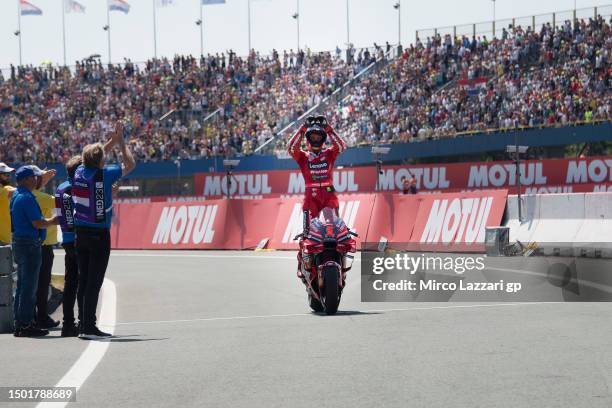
338,145
295,143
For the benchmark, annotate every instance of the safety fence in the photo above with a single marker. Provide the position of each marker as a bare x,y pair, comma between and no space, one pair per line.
495,27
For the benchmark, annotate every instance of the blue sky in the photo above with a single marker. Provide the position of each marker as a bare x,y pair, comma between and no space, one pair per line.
322,25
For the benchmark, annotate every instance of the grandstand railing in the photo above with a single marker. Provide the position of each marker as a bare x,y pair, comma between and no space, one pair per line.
491,131
494,28
6,71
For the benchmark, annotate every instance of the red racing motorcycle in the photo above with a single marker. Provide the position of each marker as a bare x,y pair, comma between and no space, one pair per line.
326,254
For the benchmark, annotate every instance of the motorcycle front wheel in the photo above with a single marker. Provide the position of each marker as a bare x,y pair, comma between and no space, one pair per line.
330,293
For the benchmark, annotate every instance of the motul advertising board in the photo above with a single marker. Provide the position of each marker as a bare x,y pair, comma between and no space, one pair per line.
172,226
452,221
537,176
457,221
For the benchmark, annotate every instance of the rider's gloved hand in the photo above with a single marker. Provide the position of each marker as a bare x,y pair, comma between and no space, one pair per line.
311,120
303,129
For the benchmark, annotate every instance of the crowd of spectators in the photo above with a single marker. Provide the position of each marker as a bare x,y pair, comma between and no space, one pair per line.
49,113
226,105
551,77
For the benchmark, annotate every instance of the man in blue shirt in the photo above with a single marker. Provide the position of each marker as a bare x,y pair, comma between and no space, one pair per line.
64,208
28,232
92,193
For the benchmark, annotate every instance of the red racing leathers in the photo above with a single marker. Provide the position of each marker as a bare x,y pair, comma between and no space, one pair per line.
317,169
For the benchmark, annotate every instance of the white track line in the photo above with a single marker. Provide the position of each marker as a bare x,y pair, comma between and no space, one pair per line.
149,255
213,319
89,359
187,255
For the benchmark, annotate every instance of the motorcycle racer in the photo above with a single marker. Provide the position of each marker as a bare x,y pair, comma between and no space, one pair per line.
316,165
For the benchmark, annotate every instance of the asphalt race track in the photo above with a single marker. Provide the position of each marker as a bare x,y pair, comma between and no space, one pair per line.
232,329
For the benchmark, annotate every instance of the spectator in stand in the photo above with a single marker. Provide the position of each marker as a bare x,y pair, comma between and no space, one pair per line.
6,192
409,185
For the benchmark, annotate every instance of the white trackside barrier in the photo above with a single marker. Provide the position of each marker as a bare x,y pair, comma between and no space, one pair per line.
522,230
564,224
561,216
596,230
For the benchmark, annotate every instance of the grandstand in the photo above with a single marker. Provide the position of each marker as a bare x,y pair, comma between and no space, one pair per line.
444,85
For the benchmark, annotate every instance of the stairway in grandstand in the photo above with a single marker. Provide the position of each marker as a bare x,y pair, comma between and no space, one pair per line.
338,96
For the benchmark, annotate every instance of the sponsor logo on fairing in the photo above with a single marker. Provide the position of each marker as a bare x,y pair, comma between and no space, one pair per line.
186,224
348,212
457,220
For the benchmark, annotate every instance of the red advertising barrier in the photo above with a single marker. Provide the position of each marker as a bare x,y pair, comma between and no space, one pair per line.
355,210
458,220
436,220
537,176
393,217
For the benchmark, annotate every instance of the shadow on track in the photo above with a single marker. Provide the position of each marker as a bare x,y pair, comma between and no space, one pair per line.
126,339
348,313
121,340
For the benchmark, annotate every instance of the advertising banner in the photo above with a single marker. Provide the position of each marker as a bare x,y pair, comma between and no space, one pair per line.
433,220
537,176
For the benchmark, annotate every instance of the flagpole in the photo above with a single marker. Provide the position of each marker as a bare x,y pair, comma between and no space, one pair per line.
154,30
108,31
64,29
298,25
249,7
348,38
19,27
201,30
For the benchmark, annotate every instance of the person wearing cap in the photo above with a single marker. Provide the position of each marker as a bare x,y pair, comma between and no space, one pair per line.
6,192
29,229
93,211
47,206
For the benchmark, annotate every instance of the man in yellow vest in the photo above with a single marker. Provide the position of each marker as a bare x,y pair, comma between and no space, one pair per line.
6,192
47,206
